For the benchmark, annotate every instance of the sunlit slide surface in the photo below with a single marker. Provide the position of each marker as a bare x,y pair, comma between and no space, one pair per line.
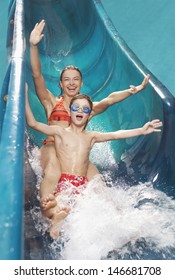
133,218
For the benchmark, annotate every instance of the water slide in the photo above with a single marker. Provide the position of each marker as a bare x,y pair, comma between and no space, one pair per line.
79,33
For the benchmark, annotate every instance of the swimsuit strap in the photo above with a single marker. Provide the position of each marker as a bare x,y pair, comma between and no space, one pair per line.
48,141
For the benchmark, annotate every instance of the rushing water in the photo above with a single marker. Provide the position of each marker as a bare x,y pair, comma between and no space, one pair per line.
113,222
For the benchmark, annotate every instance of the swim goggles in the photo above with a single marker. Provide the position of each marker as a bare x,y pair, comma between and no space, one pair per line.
85,108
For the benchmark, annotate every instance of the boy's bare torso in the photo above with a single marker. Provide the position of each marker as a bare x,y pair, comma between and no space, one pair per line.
73,149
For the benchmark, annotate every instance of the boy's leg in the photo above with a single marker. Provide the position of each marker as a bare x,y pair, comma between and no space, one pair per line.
55,213
57,217
52,173
92,171
49,205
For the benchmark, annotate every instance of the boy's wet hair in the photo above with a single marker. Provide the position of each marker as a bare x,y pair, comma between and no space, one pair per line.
82,96
69,67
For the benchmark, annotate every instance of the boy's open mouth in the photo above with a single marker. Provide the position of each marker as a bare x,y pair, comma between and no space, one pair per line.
79,117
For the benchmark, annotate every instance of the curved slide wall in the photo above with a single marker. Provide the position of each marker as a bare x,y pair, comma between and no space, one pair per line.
80,33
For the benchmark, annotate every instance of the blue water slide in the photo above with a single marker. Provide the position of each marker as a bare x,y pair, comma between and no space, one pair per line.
80,33
12,139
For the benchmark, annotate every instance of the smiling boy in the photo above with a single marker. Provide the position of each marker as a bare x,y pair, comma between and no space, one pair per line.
73,145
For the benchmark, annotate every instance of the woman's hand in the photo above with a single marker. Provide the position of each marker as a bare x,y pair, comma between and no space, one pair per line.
36,34
136,89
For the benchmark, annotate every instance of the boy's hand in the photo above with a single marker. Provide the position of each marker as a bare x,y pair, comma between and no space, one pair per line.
36,34
136,89
151,126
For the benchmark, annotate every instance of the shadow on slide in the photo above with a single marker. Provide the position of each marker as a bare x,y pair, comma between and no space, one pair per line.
80,33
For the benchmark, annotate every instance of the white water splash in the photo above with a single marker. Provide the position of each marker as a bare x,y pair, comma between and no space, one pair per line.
105,219
34,160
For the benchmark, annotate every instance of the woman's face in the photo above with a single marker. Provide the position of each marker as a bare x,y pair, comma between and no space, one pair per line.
71,82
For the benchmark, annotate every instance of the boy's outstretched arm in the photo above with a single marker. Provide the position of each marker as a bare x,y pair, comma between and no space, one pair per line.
152,126
149,127
31,121
115,97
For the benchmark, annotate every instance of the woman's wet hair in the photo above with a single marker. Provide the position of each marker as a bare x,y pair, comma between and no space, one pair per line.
70,67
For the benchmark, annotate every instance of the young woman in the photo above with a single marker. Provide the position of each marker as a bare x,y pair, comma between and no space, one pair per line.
58,112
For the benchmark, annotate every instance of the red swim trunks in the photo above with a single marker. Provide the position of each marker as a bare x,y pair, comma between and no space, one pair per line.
68,180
